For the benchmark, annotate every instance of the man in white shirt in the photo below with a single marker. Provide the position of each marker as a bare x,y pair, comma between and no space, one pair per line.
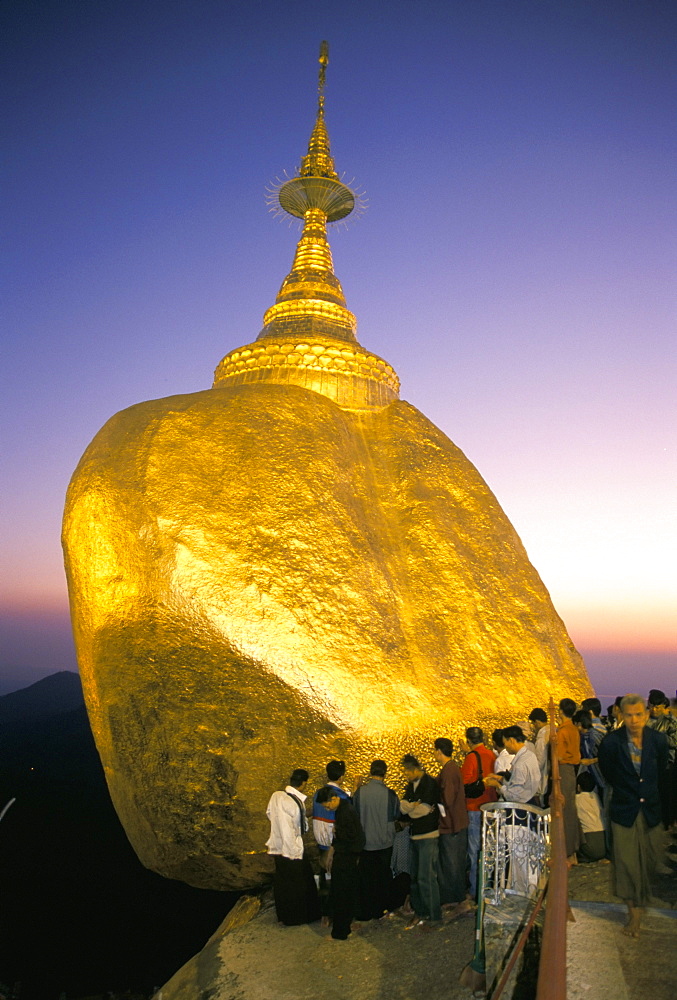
541,734
296,896
589,809
525,774
503,760
521,786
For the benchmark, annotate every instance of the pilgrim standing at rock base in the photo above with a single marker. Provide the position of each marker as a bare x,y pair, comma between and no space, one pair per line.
420,806
634,761
479,761
296,897
343,860
377,807
569,756
453,828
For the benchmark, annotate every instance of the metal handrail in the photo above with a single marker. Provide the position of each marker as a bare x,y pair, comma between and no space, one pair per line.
516,848
518,947
552,983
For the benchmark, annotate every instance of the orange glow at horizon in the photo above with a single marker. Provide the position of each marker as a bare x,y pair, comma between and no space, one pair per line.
613,627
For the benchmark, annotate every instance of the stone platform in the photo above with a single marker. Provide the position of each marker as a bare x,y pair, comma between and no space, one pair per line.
252,957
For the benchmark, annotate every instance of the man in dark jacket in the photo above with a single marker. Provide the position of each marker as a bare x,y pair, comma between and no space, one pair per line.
420,806
344,856
634,761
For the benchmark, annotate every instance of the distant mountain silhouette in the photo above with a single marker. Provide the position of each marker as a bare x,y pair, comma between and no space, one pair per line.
60,692
79,914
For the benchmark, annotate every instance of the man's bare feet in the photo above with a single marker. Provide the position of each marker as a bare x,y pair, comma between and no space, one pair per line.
462,909
632,926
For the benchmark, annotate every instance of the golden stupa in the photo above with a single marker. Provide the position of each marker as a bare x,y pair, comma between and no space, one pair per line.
291,566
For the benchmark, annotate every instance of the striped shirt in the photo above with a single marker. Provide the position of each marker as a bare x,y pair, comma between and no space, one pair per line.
635,755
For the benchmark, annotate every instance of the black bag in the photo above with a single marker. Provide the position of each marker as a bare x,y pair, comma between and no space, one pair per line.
303,818
475,788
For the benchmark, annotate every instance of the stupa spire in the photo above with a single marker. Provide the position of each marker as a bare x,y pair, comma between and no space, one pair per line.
318,161
308,336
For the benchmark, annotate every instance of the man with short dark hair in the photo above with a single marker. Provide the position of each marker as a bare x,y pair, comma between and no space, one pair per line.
323,818
521,786
525,775
541,733
343,859
616,713
634,761
377,807
663,721
453,829
594,706
590,739
420,806
503,760
569,756
479,761
294,889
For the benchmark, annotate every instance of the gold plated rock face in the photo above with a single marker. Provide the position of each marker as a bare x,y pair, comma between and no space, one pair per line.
261,580
291,566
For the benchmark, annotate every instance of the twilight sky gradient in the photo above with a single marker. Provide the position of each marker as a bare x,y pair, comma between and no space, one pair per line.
516,264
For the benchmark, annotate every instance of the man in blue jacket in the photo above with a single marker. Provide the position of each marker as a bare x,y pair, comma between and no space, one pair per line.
634,761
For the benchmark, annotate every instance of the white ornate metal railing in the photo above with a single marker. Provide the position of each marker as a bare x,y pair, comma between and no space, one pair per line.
515,848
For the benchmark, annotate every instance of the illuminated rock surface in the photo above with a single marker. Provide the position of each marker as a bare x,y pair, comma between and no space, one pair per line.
291,566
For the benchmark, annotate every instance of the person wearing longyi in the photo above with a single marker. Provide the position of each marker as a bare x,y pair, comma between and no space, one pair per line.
569,757
344,856
634,759
294,889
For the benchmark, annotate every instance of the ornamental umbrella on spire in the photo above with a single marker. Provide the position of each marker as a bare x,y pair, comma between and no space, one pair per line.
318,185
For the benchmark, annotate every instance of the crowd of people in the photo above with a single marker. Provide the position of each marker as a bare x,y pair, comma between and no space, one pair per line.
417,852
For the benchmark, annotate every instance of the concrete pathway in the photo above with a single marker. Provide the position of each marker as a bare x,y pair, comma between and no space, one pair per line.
603,964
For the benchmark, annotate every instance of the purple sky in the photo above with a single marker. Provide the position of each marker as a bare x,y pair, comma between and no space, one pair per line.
516,264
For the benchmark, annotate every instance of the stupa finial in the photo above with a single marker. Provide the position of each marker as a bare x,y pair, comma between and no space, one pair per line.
318,161
311,292
309,334
317,183
324,62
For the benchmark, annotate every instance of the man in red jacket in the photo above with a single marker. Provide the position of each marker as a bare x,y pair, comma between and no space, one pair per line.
479,760
453,828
